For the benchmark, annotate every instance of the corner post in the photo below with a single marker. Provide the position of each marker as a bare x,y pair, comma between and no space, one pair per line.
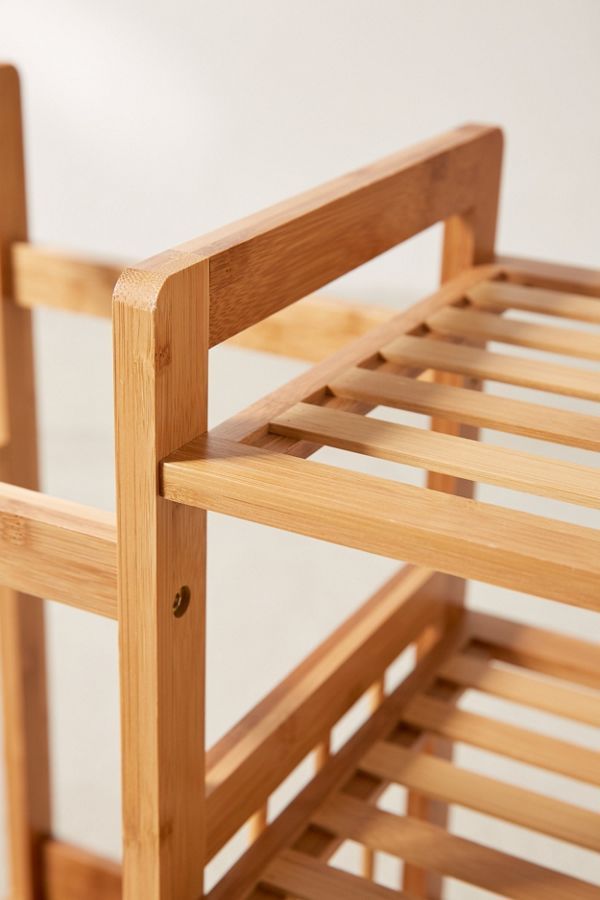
469,240
160,314
22,637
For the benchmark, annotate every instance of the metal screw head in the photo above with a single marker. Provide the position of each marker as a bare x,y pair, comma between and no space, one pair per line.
181,601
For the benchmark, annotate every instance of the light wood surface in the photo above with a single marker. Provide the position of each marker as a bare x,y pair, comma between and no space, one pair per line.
475,363
431,847
474,325
161,348
440,779
456,456
502,295
539,649
551,275
309,879
257,754
45,276
71,873
462,537
499,737
463,405
58,550
551,696
22,640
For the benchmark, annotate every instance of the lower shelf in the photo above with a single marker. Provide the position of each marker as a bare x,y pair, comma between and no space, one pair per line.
400,755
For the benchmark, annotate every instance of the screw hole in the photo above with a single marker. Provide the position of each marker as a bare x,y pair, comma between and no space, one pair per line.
181,601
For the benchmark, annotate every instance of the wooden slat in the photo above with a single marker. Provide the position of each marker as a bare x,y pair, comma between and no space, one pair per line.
251,760
508,740
553,697
442,780
58,550
544,651
550,275
484,411
462,537
475,325
71,873
431,847
45,276
337,771
482,364
308,879
440,452
501,295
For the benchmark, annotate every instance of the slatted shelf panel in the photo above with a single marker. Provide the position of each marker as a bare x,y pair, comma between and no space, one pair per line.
352,814
263,475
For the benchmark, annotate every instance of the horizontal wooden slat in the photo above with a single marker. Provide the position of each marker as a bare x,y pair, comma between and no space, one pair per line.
254,757
440,452
551,696
430,847
550,275
471,324
471,407
501,295
442,780
555,654
58,550
481,364
44,276
508,740
71,873
308,879
462,537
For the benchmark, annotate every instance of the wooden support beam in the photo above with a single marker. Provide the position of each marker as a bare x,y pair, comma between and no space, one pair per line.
161,360
22,639
58,550
462,537
554,276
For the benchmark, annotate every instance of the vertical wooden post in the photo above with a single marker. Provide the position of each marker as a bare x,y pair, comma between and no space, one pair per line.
161,352
22,648
469,240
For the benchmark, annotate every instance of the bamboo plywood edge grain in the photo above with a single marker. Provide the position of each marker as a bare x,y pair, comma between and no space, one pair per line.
161,346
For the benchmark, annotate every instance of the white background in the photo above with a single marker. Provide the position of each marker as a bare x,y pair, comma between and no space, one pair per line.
149,123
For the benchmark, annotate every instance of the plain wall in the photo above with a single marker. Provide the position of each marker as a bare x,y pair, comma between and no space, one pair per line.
150,123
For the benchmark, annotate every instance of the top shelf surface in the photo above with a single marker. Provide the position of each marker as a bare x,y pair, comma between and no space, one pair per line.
255,465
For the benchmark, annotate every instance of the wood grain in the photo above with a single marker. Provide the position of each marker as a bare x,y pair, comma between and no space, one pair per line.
58,550
22,639
438,452
431,847
502,295
482,364
463,405
442,780
161,346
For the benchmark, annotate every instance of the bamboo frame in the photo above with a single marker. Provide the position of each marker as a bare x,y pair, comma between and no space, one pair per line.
244,285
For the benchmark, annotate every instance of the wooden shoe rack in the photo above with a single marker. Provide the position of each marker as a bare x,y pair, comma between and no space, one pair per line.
180,804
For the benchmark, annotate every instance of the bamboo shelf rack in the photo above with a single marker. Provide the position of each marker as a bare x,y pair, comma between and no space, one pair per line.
180,804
